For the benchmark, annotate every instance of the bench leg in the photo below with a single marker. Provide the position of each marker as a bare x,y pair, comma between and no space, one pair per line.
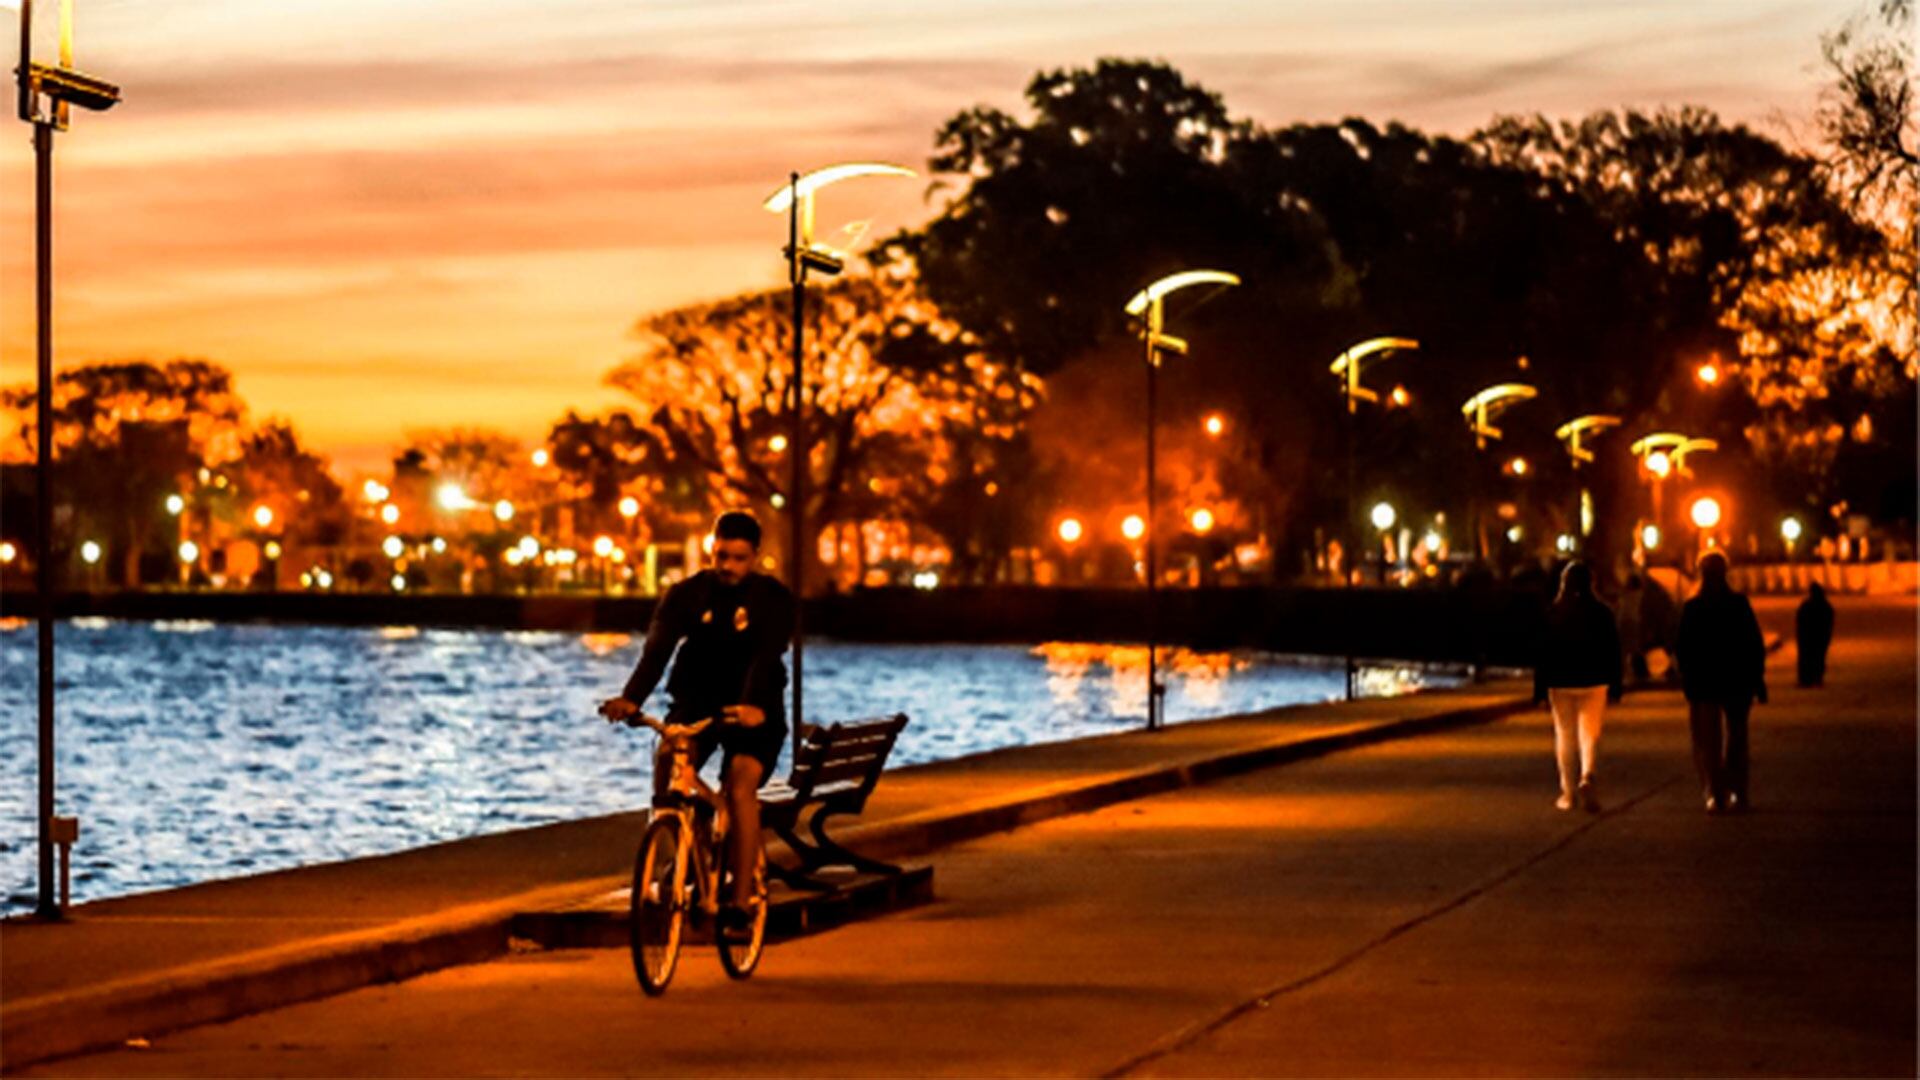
809,856
832,854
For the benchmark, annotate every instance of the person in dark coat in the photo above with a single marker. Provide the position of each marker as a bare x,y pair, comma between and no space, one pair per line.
1813,632
1577,673
1723,666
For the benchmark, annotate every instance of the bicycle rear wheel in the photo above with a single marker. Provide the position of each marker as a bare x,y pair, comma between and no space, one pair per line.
740,951
658,911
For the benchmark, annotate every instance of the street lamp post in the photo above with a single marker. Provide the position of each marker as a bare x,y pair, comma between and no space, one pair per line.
796,199
1347,366
1149,305
1480,409
45,97
1659,456
1573,433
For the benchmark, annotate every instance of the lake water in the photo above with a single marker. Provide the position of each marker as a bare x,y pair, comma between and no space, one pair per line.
193,751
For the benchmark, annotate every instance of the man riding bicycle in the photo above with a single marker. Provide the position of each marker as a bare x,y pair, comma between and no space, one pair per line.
731,626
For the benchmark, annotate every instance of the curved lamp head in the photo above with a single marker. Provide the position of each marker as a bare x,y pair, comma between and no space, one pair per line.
1578,428
1175,282
1659,440
1368,348
1482,406
783,196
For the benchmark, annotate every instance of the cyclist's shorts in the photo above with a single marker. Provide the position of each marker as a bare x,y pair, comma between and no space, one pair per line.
762,743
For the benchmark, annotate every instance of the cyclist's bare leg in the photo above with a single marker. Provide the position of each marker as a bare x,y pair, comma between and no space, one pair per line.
743,838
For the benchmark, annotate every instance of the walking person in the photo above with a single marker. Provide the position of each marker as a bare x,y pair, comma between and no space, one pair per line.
1723,667
1813,632
1577,673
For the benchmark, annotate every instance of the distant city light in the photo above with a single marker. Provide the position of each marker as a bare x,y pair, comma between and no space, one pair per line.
514,557
189,552
777,444
1399,398
778,500
451,496
272,549
1564,543
1383,516
1134,527
629,508
8,552
374,491
393,546
991,489
1515,533
1650,537
175,504
1706,512
1791,530
1518,466
1201,520
926,579
323,579
389,513
603,546
1215,424
439,545
503,511
306,580
399,582
540,458
262,516
1070,530
90,552
1432,541
528,547
1659,464
1709,374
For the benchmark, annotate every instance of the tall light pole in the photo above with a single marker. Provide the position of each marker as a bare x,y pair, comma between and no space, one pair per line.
1347,366
795,198
1656,454
1574,433
1149,305
1480,409
46,95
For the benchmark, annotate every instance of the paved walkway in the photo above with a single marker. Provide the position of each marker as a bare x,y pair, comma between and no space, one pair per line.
126,967
1413,907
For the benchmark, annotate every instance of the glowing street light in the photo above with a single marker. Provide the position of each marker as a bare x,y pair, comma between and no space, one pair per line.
1574,434
374,491
1134,527
1518,466
1201,520
1791,530
1650,536
629,508
1708,374
1070,530
1659,464
1214,425
452,498
175,505
503,511
1383,516
1149,306
189,552
47,94
528,547
1705,512
796,199
603,546
90,552
1348,364
262,516
390,513
541,458
272,550
1481,408
393,546
8,552
777,444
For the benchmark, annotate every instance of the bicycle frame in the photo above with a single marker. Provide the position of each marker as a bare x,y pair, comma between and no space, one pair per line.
677,797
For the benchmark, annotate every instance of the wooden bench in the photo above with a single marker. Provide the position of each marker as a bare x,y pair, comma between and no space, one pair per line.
834,770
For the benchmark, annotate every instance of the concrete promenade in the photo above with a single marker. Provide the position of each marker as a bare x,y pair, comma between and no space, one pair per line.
1410,907
146,964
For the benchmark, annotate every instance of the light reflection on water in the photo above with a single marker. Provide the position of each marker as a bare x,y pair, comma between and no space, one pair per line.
194,750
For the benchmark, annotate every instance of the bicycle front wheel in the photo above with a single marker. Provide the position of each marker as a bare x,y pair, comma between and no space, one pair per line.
658,912
740,950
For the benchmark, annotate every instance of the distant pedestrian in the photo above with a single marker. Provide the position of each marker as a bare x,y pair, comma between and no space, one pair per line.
1632,630
1723,667
1813,632
1577,673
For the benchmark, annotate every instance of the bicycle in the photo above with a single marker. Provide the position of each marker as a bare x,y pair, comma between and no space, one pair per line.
681,870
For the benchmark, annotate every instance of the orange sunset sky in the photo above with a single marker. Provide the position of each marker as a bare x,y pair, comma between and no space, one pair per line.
385,215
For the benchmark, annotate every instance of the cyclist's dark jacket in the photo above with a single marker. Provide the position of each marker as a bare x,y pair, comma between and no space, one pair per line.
734,638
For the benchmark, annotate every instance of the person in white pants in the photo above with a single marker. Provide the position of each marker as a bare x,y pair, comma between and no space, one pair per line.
1577,673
